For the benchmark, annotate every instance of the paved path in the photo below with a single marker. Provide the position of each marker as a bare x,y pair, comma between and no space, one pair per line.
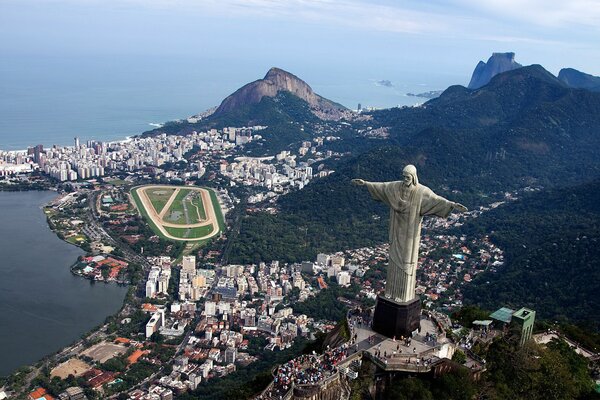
393,354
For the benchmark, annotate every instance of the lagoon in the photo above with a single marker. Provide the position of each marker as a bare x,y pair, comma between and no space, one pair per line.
43,307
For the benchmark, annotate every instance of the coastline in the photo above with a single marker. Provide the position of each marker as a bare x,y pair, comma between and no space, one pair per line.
19,151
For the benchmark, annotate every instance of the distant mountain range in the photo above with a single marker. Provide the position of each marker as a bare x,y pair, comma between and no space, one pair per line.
525,127
520,126
275,81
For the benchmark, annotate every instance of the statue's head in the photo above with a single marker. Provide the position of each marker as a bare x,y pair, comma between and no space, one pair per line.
410,175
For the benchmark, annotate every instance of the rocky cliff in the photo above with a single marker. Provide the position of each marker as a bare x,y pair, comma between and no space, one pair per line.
275,81
496,64
580,80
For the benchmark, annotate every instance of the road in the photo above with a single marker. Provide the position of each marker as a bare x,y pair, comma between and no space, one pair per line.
93,224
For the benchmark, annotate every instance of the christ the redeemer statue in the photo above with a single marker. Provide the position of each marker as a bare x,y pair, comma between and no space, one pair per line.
409,201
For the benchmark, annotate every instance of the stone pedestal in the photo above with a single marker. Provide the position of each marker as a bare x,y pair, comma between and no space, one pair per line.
396,319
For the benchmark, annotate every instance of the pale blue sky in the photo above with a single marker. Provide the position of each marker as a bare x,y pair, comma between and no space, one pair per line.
306,34
169,58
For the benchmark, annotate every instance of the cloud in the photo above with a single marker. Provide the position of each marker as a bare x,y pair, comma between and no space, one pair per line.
354,14
546,13
345,13
487,20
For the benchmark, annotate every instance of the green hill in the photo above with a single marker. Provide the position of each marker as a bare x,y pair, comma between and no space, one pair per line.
523,128
552,245
289,120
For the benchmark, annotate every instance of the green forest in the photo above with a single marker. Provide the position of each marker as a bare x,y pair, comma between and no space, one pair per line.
551,240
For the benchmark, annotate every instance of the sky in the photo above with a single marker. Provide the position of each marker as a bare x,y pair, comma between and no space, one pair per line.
432,35
340,47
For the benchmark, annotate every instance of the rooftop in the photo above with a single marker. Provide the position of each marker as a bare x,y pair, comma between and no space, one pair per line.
503,314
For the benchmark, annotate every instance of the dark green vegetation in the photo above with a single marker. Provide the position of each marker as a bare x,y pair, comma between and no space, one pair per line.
534,372
552,244
513,372
152,244
19,186
328,215
326,304
524,128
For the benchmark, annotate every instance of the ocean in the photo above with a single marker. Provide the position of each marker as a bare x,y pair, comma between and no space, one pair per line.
50,100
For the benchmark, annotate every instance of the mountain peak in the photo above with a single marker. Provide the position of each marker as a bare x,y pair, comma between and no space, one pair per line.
274,71
509,56
580,80
496,64
535,71
276,80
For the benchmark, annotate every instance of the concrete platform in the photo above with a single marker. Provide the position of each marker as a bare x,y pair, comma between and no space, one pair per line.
417,355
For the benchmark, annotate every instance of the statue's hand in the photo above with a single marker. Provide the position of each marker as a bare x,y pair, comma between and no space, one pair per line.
459,207
358,182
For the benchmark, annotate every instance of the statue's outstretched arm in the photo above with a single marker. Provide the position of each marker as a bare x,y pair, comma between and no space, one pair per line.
459,207
359,182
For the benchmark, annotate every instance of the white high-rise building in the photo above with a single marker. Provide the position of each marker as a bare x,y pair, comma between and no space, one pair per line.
154,324
210,308
343,278
150,288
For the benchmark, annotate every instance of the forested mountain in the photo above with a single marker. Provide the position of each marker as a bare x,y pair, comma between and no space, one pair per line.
552,245
288,119
281,101
525,127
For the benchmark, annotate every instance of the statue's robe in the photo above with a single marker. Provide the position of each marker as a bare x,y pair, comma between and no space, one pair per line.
405,231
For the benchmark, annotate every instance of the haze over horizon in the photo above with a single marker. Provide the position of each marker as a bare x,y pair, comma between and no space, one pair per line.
157,60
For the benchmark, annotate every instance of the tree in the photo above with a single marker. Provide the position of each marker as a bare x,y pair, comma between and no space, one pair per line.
459,357
409,389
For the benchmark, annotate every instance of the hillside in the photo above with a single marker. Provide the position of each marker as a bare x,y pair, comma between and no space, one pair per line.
577,79
551,240
525,127
281,101
288,118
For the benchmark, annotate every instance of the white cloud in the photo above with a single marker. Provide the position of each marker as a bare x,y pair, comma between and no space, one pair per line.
488,20
349,13
547,13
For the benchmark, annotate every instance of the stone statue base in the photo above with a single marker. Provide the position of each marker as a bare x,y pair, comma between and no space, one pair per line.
396,319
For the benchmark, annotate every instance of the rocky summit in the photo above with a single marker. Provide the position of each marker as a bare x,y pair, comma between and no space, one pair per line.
496,64
275,81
